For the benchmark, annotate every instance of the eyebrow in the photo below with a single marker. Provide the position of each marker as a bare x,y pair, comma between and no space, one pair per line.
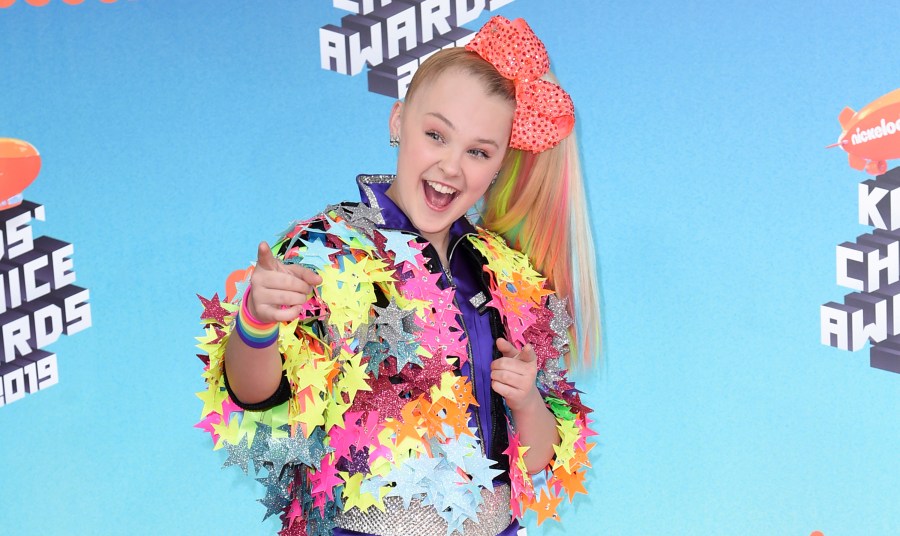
450,124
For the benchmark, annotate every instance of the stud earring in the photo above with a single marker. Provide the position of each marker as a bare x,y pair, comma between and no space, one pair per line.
494,180
394,140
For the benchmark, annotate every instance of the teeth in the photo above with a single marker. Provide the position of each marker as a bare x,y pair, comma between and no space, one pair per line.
440,188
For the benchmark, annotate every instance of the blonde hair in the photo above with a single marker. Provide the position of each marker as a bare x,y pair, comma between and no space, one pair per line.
538,205
466,61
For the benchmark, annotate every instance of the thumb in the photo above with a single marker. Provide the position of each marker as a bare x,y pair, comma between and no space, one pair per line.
527,355
265,259
506,348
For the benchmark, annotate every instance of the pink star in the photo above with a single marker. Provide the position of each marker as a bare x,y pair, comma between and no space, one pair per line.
207,425
228,406
294,513
324,480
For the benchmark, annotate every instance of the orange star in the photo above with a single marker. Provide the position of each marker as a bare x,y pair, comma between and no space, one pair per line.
581,456
407,426
432,421
545,506
458,418
529,290
572,482
462,392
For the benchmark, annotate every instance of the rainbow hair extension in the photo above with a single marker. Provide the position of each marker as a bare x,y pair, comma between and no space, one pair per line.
538,206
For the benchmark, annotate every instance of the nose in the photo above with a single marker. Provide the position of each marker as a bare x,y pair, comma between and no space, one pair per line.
450,162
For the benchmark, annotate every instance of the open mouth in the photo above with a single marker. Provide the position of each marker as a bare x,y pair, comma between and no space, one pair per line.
438,195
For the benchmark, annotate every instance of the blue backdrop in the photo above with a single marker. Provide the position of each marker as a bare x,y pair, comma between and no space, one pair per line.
176,135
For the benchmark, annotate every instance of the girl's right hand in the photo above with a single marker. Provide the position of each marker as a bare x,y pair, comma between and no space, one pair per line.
277,290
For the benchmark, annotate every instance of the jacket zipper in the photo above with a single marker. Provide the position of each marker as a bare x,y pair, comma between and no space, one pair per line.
473,371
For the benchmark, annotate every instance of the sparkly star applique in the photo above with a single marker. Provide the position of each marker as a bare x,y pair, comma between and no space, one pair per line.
213,310
277,494
238,454
560,323
540,336
384,397
364,217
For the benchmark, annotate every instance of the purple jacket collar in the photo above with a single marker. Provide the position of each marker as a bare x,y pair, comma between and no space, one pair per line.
373,192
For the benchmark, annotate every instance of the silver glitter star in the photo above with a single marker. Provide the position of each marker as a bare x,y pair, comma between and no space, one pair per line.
238,454
364,217
391,324
260,444
560,322
364,334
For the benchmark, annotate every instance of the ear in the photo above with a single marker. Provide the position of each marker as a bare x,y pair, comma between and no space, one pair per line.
394,121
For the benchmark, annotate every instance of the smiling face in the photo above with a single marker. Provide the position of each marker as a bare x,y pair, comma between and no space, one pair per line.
453,137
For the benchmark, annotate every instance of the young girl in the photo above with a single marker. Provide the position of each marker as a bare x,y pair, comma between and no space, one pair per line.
396,369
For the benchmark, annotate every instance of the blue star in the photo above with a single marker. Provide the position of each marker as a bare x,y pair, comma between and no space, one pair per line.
345,233
377,352
372,485
316,254
456,452
479,469
398,243
406,353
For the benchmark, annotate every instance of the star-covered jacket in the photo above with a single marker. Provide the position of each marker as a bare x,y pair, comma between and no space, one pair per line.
386,387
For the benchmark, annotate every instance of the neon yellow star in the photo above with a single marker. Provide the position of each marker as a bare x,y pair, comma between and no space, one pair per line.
313,414
334,412
212,400
353,497
354,377
231,432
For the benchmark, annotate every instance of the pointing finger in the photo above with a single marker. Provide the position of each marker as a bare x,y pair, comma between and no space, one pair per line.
265,259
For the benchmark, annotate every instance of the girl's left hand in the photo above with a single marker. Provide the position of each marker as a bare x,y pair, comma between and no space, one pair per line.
513,375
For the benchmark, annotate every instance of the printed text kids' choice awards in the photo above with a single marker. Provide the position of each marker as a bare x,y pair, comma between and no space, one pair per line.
39,302
394,36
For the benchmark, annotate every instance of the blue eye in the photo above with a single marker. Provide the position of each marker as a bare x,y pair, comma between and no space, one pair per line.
479,153
434,135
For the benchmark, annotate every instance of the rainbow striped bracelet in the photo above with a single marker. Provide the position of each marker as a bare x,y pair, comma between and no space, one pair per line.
254,333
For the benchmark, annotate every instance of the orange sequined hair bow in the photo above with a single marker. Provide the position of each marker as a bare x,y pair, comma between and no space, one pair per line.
544,111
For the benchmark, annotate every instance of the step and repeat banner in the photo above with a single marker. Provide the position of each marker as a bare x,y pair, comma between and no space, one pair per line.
742,167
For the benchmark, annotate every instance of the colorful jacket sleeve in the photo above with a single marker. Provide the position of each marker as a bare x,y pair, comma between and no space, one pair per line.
284,434
533,314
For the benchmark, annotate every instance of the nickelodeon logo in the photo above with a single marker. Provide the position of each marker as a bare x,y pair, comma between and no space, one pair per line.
41,3
869,135
888,128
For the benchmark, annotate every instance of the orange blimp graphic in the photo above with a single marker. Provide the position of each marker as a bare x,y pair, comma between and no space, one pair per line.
20,164
871,136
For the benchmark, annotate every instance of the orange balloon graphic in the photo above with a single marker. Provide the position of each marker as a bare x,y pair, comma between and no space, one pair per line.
816,533
38,3
871,136
20,164
73,2
7,3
